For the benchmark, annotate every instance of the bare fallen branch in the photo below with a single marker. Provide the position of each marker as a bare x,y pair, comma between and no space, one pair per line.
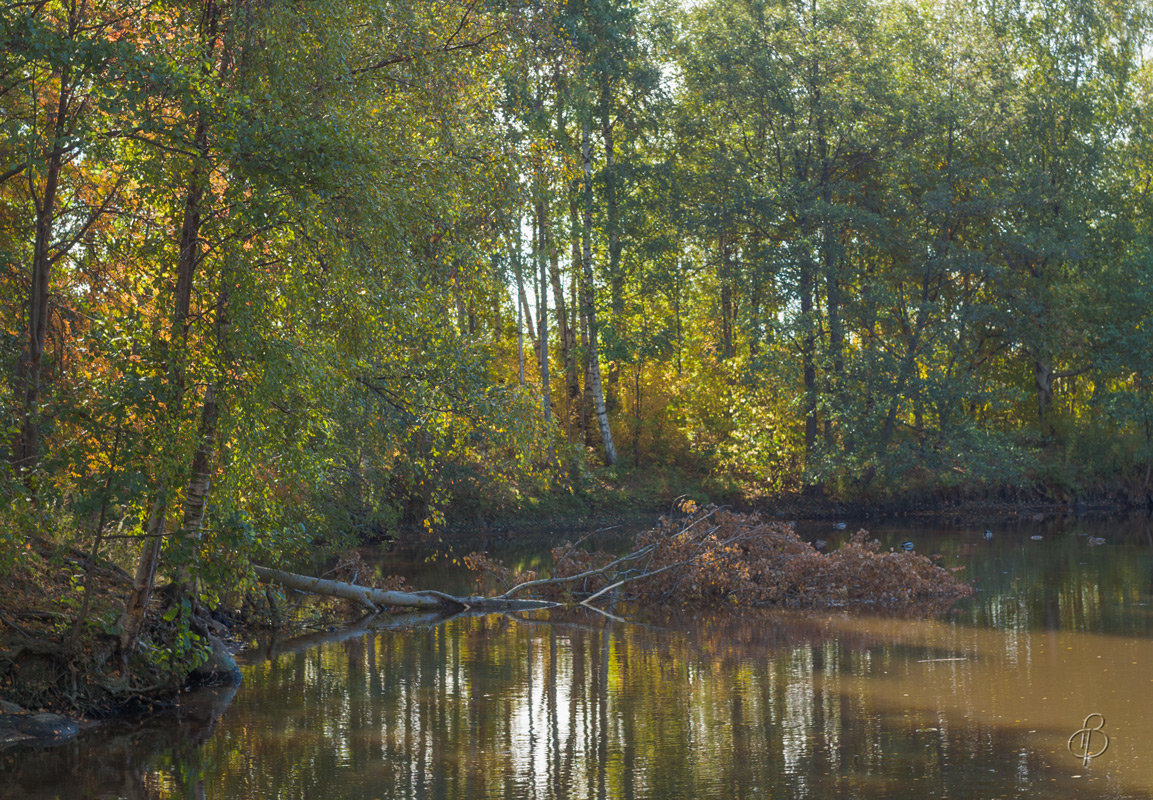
372,599
736,560
630,578
644,551
717,558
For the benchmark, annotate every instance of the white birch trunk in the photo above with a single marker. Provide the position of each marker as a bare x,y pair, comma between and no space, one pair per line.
590,304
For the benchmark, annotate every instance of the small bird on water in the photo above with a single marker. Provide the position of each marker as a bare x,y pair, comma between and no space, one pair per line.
1096,540
907,546
988,534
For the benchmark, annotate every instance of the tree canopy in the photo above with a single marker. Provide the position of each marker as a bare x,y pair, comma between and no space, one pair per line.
276,277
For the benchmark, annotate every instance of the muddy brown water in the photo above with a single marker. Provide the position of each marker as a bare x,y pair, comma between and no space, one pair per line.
979,704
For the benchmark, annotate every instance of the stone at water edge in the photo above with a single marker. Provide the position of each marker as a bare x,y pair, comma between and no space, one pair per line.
10,708
47,726
219,670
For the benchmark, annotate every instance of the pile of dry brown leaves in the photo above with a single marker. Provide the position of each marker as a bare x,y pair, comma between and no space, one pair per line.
716,558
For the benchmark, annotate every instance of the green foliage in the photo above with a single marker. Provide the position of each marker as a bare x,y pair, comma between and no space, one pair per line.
863,247
274,208
898,271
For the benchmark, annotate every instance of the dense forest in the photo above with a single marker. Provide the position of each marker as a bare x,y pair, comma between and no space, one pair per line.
279,274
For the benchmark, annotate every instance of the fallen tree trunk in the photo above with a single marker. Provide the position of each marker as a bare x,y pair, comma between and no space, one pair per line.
372,599
715,558
734,561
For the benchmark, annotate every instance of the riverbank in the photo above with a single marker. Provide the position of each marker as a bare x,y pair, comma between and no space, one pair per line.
616,497
58,615
60,669
375,709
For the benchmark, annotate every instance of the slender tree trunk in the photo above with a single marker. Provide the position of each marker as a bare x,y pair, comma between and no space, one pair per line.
834,379
755,292
62,123
204,456
908,364
97,542
371,598
896,395
589,304
1043,382
525,309
542,310
677,314
833,306
566,330
196,495
463,326
26,450
582,322
637,413
808,358
516,265
495,304
520,344
567,339
189,258
613,234
808,226
728,310
136,606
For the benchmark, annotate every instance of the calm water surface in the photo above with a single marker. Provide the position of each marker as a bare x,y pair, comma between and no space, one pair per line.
979,704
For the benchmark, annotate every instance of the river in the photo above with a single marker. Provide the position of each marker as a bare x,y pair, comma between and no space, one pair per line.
979,704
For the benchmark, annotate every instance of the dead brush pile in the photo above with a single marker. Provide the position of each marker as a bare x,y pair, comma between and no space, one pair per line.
716,558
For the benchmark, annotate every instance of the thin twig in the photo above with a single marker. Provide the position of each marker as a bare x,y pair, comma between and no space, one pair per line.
588,574
623,581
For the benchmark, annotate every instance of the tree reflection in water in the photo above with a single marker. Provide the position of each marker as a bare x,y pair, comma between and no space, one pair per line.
751,705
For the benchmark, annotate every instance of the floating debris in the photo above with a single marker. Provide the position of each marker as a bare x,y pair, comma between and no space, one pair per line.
723,559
